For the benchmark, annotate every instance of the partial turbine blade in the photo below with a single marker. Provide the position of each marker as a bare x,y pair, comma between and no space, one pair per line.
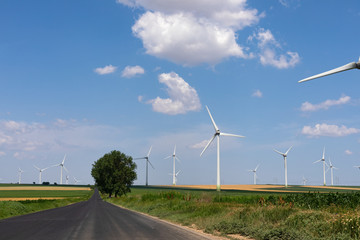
230,135
212,120
257,167
66,169
278,152
63,161
318,161
288,150
149,152
139,158
336,70
174,149
167,157
150,164
207,145
37,167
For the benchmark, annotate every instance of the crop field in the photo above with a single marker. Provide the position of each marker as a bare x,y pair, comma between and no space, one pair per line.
256,212
23,199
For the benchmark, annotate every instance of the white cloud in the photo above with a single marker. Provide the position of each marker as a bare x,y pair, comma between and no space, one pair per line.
268,55
328,130
105,70
131,71
193,32
348,152
183,98
257,93
140,98
309,107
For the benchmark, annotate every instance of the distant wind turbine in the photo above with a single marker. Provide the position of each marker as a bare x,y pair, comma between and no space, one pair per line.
324,163
61,165
174,157
76,180
20,172
304,180
285,165
217,134
147,162
254,171
67,179
331,167
346,67
40,171
176,174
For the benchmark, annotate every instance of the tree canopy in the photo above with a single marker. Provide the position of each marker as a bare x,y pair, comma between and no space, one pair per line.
114,173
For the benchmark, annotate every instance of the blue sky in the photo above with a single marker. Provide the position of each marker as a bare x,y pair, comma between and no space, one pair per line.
83,78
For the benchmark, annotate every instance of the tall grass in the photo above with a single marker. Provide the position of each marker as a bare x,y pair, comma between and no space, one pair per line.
269,216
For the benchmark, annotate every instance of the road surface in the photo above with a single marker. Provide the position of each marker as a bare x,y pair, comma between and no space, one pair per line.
93,219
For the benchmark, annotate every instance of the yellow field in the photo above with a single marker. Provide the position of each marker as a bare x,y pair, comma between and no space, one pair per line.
45,188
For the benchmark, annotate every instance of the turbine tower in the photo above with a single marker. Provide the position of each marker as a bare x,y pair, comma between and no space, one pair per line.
147,161
61,165
285,156
20,172
174,157
346,67
254,171
331,167
217,134
324,163
40,171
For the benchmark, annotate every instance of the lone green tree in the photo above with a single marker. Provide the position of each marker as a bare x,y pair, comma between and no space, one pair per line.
114,173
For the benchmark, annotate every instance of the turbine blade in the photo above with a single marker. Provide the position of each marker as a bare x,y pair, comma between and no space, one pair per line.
36,167
66,169
278,152
257,167
150,164
174,149
318,161
335,70
231,135
63,161
177,159
139,158
177,173
167,157
323,153
207,145
288,150
212,120
149,152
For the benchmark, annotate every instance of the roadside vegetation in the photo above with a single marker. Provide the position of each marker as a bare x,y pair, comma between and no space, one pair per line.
311,215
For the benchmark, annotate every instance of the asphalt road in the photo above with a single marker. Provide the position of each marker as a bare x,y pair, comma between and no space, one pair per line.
93,219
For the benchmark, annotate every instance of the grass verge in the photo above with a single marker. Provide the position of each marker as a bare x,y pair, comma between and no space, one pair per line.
260,216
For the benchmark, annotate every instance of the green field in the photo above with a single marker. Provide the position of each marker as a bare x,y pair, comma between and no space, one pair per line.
15,208
317,214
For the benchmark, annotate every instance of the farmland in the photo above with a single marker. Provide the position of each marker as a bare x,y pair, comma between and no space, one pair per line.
22,199
264,212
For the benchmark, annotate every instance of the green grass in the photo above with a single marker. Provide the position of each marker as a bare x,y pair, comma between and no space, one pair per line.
258,215
42,193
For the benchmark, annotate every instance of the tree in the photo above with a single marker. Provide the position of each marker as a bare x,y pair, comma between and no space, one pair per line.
114,173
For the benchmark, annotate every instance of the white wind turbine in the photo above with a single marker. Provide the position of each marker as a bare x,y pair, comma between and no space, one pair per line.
217,134
176,174
174,157
304,180
346,67
324,163
331,167
254,171
40,171
61,165
67,179
285,165
147,161
20,172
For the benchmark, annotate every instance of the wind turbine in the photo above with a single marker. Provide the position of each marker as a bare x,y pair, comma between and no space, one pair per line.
254,171
40,171
324,163
285,156
76,181
147,161
20,172
331,167
304,180
67,179
346,67
61,165
174,157
176,174
217,134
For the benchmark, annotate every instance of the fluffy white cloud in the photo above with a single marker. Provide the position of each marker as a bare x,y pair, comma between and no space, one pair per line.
309,107
131,71
192,32
348,152
105,70
268,55
182,97
328,130
257,93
